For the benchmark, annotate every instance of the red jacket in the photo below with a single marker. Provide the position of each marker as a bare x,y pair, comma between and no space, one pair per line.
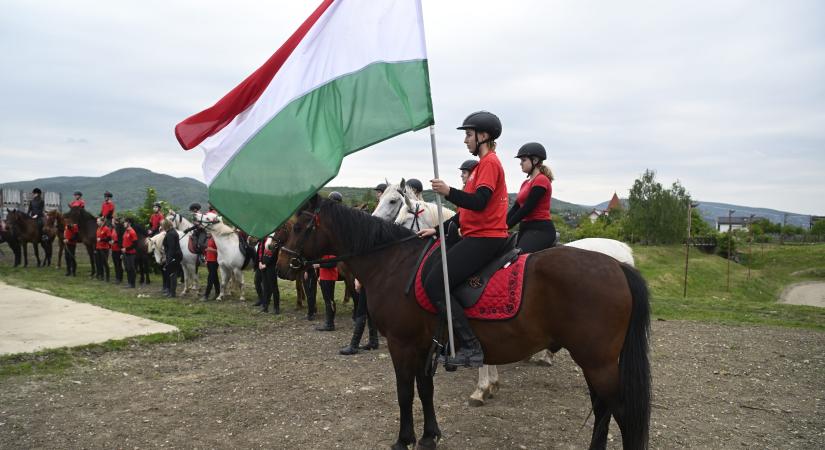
104,236
211,250
328,273
70,233
129,241
115,245
78,203
154,221
107,209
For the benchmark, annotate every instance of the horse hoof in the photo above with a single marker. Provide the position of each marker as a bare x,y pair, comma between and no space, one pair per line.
493,389
426,444
476,400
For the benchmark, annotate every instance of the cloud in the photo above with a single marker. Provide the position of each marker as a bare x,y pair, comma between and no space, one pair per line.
727,97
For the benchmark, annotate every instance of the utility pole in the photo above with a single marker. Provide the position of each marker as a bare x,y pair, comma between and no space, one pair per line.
688,242
750,247
730,240
782,232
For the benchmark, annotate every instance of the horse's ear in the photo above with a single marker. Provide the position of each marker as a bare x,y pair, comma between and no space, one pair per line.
403,184
314,202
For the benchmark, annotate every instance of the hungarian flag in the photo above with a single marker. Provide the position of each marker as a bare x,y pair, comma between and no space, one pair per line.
352,75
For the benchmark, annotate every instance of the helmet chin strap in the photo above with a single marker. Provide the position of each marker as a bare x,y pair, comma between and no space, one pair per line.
478,144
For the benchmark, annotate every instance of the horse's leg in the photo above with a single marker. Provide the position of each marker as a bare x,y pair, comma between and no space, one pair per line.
493,390
239,279
477,397
91,253
36,246
603,383
403,361
432,433
300,294
61,247
25,254
227,282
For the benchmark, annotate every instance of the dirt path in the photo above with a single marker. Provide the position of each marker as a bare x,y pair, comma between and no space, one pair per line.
284,386
810,293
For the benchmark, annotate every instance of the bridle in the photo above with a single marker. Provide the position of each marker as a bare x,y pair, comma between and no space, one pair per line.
299,261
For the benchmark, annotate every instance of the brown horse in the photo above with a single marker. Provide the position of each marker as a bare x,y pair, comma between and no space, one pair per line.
584,301
54,229
24,228
9,238
87,229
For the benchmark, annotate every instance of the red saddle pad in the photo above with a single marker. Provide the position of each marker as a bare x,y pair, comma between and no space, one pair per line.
500,300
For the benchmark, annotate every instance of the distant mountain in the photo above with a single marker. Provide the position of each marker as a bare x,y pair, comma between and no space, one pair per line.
711,211
128,187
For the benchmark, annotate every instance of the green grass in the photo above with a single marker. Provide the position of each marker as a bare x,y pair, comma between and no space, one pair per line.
749,301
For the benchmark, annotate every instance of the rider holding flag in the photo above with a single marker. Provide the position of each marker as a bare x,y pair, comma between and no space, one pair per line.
482,217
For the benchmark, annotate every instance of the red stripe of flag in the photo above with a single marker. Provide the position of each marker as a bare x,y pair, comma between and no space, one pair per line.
200,126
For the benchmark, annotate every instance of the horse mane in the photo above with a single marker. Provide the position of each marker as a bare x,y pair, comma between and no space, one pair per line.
78,211
363,231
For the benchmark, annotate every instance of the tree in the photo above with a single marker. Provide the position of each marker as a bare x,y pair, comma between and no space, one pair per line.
655,214
818,228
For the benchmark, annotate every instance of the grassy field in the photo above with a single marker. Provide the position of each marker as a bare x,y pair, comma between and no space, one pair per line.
749,301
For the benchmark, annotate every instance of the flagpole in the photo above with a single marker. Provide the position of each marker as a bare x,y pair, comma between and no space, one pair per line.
443,238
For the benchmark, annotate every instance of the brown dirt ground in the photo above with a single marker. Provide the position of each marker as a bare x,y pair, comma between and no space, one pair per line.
285,386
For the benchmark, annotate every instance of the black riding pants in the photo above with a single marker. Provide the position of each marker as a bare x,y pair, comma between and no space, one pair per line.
212,278
535,236
102,263
172,269
270,287
328,292
71,263
118,264
129,262
464,258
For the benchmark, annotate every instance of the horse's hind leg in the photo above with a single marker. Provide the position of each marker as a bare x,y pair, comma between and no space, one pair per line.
478,396
603,384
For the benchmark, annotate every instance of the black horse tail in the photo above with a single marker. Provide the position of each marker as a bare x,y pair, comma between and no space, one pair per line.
634,366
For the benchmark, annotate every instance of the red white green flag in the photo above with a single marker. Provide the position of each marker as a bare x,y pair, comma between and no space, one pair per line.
352,75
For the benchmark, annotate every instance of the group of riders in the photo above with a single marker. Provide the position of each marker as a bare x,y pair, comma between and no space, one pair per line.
474,236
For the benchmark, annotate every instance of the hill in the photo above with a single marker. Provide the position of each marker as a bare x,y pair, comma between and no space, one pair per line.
710,211
127,185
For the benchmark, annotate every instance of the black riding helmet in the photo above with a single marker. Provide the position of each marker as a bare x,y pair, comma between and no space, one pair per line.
336,196
468,165
381,187
107,194
532,150
195,207
36,191
78,193
482,121
415,184
157,204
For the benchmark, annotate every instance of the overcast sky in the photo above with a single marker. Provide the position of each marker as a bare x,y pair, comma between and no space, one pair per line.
728,97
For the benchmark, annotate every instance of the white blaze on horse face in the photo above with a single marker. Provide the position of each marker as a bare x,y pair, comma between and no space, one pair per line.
390,203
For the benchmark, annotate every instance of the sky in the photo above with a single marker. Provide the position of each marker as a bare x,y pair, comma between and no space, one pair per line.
727,97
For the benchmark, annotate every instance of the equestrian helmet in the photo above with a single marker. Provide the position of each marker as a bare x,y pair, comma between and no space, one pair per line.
532,149
107,194
336,196
195,207
468,165
78,193
415,184
36,191
483,121
157,204
381,187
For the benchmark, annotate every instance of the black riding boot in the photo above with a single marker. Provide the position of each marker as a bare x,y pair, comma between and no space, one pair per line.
469,352
357,333
329,323
372,343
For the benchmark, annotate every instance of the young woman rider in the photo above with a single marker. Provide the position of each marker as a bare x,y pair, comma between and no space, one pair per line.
531,211
482,218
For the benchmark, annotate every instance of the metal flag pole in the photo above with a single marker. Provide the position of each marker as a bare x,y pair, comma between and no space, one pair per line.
443,238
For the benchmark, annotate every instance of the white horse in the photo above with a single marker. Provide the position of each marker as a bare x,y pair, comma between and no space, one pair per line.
488,375
154,245
230,258
190,260
399,205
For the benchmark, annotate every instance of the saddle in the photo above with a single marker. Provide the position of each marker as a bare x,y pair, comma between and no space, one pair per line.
470,290
494,293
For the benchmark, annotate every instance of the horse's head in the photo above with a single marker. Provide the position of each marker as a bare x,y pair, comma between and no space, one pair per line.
391,202
154,245
308,237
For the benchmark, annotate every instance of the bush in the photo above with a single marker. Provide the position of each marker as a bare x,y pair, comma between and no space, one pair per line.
726,245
